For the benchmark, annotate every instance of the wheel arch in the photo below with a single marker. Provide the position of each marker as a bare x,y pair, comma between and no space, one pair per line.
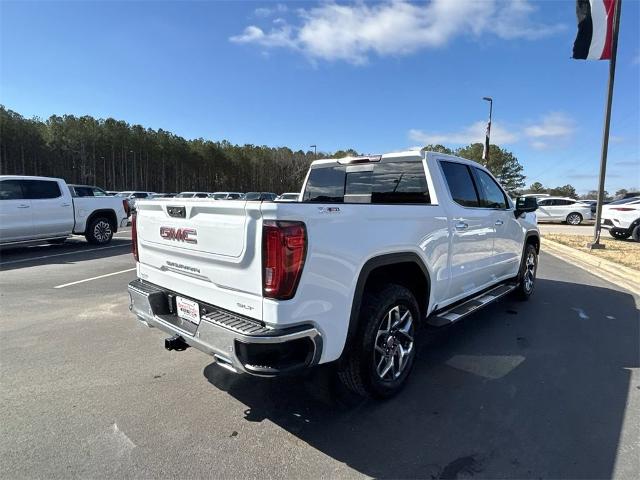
108,213
391,267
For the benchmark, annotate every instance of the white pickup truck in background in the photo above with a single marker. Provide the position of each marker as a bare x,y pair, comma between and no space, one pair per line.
375,246
37,209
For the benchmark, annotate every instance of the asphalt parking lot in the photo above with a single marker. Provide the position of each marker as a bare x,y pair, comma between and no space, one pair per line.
549,388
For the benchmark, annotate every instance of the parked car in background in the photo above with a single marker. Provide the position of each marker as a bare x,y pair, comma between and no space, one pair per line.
193,195
227,196
132,197
288,197
87,191
562,209
622,218
112,192
260,196
162,195
36,209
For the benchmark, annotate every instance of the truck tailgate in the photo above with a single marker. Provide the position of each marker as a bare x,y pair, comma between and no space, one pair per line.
208,248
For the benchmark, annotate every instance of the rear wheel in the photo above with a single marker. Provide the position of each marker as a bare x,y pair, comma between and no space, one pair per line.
527,274
574,219
382,354
99,231
635,233
619,234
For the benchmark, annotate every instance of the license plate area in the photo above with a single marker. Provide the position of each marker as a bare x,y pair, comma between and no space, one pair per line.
188,310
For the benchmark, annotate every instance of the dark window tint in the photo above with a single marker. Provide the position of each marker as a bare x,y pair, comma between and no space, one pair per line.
82,191
460,184
40,189
201,195
492,194
11,190
140,195
233,196
564,202
325,184
389,182
544,203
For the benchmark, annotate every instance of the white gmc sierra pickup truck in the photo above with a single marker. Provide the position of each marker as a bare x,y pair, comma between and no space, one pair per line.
39,209
374,247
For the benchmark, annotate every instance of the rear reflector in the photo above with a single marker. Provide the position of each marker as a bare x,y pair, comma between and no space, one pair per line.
284,247
134,237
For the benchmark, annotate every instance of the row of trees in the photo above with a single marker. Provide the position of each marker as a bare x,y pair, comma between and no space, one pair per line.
118,156
569,191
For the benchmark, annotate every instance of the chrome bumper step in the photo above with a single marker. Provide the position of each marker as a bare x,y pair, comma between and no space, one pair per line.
461,310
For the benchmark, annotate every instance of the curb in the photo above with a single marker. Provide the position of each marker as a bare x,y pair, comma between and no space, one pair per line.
617,274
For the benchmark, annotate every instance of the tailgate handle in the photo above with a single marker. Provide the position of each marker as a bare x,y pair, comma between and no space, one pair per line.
176,212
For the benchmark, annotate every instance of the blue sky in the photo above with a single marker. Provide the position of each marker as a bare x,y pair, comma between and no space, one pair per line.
371,76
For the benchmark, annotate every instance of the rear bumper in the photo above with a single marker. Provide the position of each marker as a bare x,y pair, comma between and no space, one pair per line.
237,343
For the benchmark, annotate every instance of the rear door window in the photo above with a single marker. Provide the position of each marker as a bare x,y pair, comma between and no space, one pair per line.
11,190
41,189
461,186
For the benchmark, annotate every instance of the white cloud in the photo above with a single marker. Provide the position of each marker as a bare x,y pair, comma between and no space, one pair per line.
268,11
353,32
473,133
552,130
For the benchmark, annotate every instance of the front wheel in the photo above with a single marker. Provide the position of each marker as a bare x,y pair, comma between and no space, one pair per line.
635,233
527,274
574,219
99,231
381,357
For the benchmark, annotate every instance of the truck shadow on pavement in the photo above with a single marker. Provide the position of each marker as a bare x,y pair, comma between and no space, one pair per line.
72,251
519,390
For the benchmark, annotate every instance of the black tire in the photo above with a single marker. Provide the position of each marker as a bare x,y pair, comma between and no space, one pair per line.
574,218
360,369
527,273
99,231
635,233
619,234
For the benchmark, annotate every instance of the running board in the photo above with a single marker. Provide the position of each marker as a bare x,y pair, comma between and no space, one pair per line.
469,306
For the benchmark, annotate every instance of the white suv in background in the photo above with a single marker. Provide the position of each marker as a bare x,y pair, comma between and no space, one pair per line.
622,218
562,209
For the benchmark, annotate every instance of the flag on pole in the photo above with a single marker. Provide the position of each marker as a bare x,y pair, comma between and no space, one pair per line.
595,29
485,149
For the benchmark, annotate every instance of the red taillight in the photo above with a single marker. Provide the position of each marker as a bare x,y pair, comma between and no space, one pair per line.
623,209
284,247
127,208
134,237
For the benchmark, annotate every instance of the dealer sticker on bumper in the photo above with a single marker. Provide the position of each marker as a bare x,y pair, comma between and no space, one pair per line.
188,309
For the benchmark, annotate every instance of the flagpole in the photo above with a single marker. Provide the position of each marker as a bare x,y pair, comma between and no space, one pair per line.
607,121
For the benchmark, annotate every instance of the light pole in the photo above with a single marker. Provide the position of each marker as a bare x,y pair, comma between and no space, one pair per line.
485,150
315,152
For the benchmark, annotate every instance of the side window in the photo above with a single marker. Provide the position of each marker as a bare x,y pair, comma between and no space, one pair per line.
325,184
98,192
82,191
544,203
389,182
41,189
11,190
491,193
461,184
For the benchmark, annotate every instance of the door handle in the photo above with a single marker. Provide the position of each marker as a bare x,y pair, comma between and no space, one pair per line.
23,206
66,204
461,226
499,222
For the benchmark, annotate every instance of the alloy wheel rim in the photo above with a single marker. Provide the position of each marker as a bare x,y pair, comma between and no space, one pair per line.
574,219
394,343
102,231
530,272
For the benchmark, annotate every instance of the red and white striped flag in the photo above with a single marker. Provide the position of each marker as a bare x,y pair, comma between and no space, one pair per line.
595,29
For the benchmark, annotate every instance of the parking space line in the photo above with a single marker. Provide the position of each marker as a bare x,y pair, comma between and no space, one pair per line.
94,278
61,254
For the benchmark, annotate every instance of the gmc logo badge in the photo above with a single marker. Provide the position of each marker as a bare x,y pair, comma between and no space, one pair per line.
179,234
